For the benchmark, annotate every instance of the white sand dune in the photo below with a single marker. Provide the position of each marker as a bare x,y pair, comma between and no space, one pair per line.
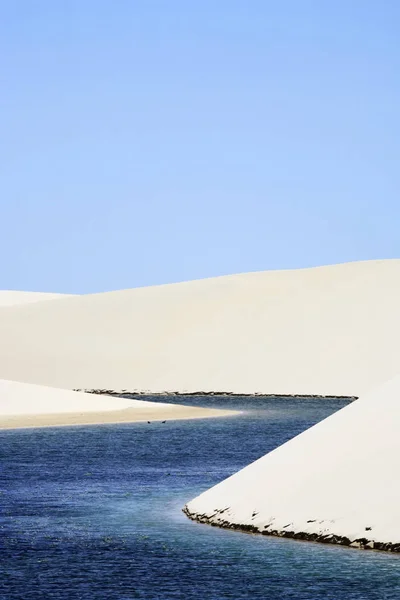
325,331
337,482
13,297
27,405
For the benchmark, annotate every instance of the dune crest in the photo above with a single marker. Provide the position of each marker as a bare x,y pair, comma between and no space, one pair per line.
15,298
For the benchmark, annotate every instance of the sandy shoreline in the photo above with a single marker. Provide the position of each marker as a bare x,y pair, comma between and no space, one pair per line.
129,415
135,395
24,405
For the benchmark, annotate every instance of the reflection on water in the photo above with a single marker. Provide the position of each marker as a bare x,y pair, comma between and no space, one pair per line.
95,513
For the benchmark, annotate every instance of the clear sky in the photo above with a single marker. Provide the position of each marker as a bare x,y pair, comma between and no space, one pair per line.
153,141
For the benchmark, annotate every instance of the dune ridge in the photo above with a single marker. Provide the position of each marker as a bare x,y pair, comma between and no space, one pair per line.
14,297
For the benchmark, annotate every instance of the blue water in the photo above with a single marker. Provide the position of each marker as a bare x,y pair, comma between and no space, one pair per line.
95,513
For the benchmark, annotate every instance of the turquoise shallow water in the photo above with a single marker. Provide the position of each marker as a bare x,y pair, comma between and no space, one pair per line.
95,513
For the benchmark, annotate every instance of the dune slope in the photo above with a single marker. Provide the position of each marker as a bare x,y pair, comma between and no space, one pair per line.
336,482
325,331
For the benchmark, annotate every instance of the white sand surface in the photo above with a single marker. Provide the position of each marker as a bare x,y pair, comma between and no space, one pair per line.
13,297
27,405
325,331
339,478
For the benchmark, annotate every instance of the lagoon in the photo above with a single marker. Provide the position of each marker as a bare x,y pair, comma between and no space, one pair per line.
95,513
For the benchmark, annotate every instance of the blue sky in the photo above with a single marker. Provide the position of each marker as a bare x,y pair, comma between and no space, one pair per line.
154,141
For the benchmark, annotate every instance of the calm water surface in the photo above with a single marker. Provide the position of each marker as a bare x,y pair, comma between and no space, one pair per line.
95,513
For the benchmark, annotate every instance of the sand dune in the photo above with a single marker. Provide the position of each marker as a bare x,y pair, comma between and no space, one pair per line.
326,331
336,482
26,405
13,298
